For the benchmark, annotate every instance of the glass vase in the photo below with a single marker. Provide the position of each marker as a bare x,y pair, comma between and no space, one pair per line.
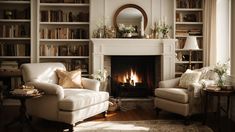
220,82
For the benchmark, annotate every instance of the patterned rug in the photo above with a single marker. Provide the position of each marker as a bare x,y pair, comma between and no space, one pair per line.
141,126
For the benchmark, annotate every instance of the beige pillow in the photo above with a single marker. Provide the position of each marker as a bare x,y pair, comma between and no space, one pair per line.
188,78
70,79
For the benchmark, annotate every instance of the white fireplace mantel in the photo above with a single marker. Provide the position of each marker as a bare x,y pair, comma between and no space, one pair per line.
141,47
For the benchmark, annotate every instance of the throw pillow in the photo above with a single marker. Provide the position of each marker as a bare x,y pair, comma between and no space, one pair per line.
188,78
70,79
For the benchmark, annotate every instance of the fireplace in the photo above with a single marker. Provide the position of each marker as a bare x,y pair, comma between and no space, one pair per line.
133,76
162,50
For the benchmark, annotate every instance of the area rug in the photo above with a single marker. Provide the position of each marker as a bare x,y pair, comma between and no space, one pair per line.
141,126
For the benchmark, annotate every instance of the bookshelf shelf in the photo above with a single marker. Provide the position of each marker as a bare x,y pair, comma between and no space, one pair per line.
15,38
65,4
178,73
180,36
64,40
65,57
64,23
187,50
14,2
188,9
189,23
15,20
186,62
15,57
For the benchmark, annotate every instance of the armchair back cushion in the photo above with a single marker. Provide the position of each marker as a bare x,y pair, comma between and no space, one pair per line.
70,79
188,78
41,72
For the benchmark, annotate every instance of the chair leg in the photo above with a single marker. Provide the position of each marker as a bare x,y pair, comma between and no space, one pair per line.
70,128
105,113
187,120
157,111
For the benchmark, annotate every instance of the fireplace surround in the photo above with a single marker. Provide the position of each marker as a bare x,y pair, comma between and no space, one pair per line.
104,49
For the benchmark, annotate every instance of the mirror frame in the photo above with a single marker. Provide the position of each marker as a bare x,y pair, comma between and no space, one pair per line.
128,6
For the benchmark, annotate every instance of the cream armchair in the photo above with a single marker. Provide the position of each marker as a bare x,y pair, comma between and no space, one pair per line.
183,101
58,104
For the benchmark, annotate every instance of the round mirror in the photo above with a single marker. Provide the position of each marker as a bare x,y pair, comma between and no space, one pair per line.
130,15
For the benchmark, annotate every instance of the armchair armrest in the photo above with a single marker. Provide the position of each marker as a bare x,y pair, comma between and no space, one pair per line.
49,88
169,83
91,84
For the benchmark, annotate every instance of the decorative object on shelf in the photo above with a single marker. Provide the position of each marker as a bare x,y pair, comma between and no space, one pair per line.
191,44
101,76
164,29
155,31
110,32
126,31
104,31
8,14
222,71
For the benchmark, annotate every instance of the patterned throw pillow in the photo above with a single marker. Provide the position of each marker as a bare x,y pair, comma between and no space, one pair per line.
188,78
70,79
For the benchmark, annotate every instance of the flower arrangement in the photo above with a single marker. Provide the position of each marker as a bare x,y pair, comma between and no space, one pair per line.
222,71
100,75
165,30
160,30
126,29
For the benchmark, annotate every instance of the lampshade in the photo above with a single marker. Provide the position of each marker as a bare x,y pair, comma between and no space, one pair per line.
191,43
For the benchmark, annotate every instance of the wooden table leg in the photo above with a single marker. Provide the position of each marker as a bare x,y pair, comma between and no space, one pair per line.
205,109
218,114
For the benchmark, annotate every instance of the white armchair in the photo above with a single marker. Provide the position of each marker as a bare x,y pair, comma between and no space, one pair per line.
58,104
183,101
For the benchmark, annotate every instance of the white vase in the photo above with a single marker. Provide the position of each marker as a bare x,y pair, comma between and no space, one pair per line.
128,35
103,85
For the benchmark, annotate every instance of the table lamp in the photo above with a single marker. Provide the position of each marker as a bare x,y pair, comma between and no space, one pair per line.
191,44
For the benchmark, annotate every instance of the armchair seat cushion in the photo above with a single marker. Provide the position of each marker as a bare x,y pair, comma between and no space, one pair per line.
75,99
174,94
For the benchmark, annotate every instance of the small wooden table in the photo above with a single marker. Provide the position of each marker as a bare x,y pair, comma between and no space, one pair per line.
23,117
218,94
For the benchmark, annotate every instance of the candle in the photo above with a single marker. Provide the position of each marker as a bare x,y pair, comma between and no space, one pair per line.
164,20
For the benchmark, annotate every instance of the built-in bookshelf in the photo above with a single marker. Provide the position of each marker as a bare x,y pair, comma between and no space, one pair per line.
15,29
63,27
15,40
188,21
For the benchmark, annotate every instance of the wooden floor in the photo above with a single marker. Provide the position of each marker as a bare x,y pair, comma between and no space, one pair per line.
8,113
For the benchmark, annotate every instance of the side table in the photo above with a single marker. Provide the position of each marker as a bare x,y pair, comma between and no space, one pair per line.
23,117
218,94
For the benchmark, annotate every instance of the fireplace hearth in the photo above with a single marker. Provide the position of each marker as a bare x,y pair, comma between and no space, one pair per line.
132,76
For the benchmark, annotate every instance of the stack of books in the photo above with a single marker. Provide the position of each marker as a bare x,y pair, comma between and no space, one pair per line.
9,65
25,90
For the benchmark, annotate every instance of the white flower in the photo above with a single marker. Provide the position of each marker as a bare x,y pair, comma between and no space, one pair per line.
99,75
126,29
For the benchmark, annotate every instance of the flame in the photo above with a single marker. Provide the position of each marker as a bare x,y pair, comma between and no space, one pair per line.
131,78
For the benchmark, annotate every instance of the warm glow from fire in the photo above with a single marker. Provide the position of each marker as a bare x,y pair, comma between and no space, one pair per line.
131,78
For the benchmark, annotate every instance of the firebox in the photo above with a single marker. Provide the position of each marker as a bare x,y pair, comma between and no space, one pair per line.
133,76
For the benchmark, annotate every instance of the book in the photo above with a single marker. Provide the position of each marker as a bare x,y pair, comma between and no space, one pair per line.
24,91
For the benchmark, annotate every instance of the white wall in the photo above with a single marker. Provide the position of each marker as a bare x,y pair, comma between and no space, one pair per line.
222,27
103,10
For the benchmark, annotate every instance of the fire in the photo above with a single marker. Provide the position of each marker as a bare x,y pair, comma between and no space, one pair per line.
131,78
